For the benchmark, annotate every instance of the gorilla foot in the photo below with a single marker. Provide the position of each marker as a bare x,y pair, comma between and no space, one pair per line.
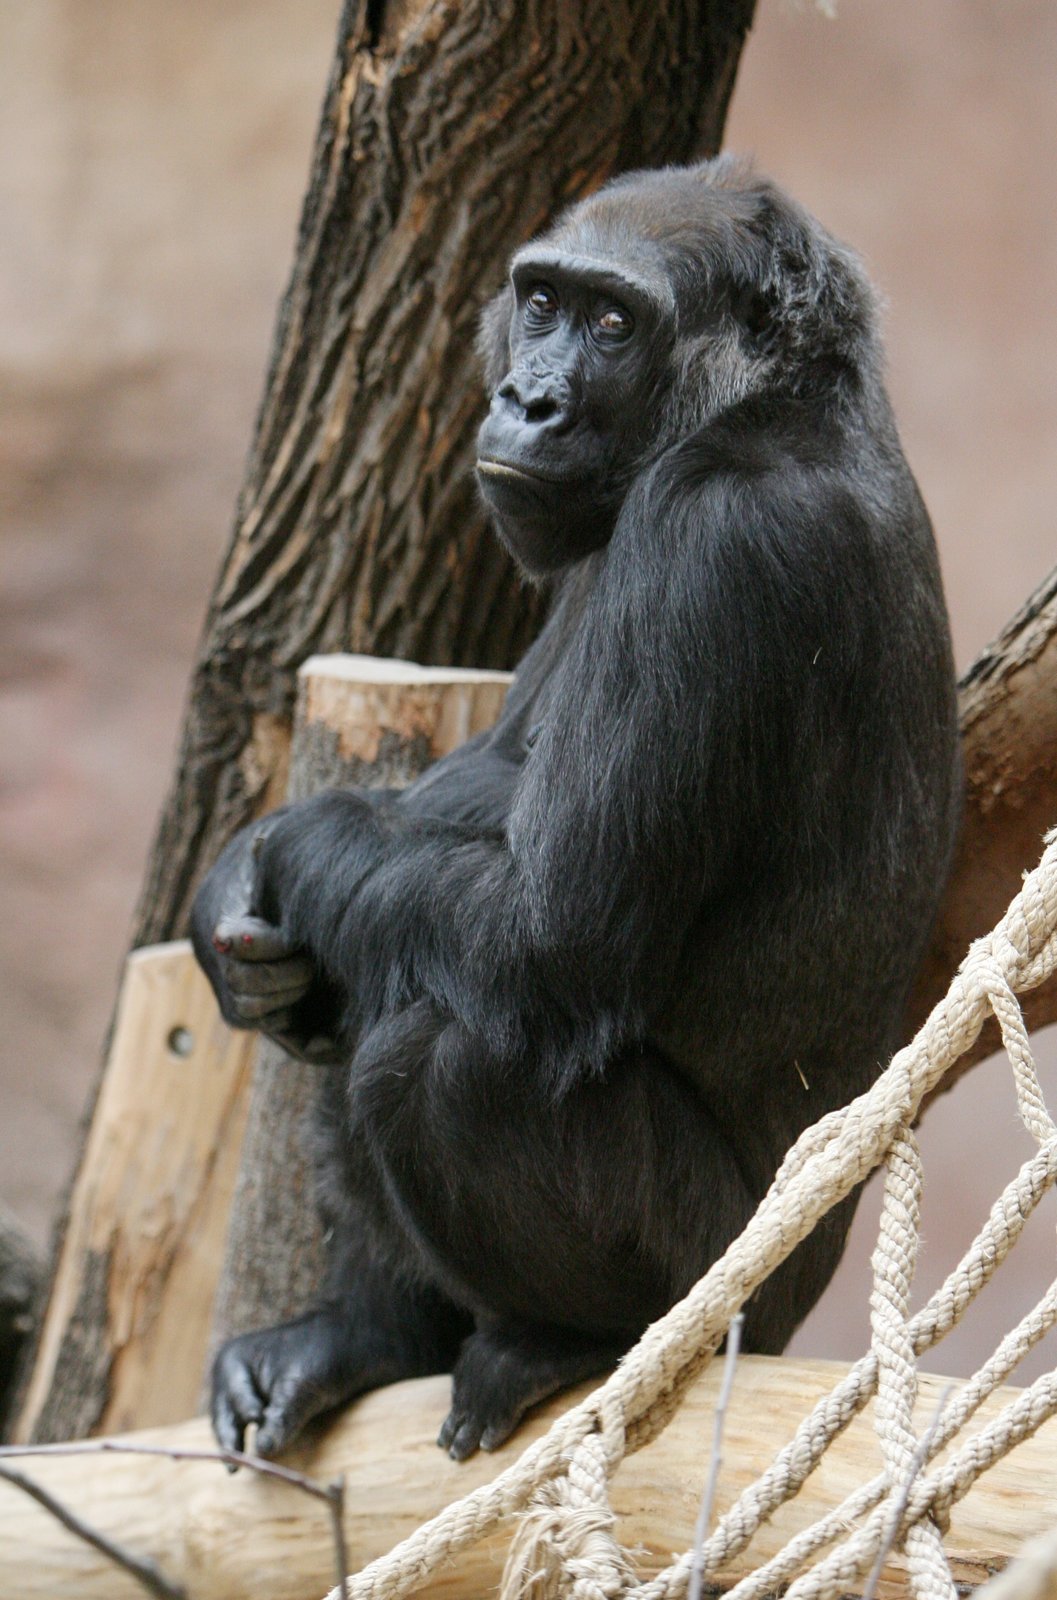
279,1379
505,1369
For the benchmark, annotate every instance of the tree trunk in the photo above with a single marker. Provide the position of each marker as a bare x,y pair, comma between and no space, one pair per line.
1008,704
19,1280
450,132
375,724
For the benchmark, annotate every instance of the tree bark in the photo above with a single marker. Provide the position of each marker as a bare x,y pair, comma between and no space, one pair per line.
20,1273
1008,706
375,724
451,130
230,1538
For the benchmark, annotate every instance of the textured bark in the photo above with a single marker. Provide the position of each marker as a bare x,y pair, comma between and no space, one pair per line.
20,1272
1008,703
451,130
376,724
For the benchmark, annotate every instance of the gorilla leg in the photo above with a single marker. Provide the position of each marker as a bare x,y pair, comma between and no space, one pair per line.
281,1378
377,1320
569,1220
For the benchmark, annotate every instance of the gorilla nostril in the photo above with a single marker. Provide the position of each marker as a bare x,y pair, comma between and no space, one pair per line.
540,410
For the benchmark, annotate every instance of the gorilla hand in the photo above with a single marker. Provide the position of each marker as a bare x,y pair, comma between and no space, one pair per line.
261,978
264,975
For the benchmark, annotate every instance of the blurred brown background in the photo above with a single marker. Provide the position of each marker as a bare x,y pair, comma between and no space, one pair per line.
153,161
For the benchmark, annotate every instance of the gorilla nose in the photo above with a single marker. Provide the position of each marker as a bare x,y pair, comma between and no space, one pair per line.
534,400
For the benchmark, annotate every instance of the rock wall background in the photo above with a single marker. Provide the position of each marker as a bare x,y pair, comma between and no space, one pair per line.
153,161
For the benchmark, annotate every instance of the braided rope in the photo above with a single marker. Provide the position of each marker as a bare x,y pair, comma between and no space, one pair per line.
565,1544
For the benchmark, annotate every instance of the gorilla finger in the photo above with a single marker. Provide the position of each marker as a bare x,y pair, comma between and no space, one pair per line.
268,977
460,1434
251,939
292,1405
228,1428
467,1440
236,1402
257,1008
499,1430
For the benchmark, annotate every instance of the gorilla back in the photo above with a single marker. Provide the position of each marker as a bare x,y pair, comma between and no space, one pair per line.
577,989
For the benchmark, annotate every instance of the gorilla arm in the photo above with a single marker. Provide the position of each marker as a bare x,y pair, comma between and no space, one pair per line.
558,934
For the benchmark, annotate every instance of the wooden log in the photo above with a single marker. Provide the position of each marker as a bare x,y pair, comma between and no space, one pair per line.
1008,705
229,1537
375,724
125,1327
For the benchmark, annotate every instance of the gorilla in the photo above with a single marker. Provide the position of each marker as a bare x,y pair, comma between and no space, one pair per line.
575,991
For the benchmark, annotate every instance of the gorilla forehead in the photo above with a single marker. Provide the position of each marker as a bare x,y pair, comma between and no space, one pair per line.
712,216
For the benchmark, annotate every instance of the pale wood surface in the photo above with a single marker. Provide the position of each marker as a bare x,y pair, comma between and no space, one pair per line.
370,704
232,1537
129,1311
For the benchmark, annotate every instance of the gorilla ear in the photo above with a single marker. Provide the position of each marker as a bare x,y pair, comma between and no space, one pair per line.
493,337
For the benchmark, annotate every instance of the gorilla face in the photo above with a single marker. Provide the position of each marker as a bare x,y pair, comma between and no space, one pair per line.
570,421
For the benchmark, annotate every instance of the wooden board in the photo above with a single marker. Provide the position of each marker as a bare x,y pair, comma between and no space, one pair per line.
135,1278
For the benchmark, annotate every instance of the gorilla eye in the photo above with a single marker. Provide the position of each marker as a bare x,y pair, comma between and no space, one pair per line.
542,302
615,323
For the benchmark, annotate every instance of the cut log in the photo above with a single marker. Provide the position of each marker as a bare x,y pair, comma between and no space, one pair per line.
228,1537
376,724
1008,705
125,1328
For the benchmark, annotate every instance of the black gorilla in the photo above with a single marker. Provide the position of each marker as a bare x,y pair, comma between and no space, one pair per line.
582,984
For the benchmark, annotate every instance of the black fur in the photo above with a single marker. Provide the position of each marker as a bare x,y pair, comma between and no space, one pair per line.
583,983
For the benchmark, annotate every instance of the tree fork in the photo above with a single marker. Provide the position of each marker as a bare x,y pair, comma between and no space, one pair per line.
449,133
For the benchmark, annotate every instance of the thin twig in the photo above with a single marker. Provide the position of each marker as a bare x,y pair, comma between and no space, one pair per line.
145,1572
902,1499
229,1458
336,1501
704,1515
331,1494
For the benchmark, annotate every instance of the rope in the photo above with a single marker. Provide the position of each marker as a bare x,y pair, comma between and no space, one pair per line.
566,1545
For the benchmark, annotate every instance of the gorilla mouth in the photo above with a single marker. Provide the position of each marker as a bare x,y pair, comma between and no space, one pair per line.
494,468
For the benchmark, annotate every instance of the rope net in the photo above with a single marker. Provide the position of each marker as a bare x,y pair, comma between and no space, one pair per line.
565,1542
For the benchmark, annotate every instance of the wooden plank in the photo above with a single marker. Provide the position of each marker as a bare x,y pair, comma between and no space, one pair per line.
134,1283
228,1538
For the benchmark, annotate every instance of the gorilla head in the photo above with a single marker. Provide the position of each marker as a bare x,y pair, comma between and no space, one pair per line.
647,310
